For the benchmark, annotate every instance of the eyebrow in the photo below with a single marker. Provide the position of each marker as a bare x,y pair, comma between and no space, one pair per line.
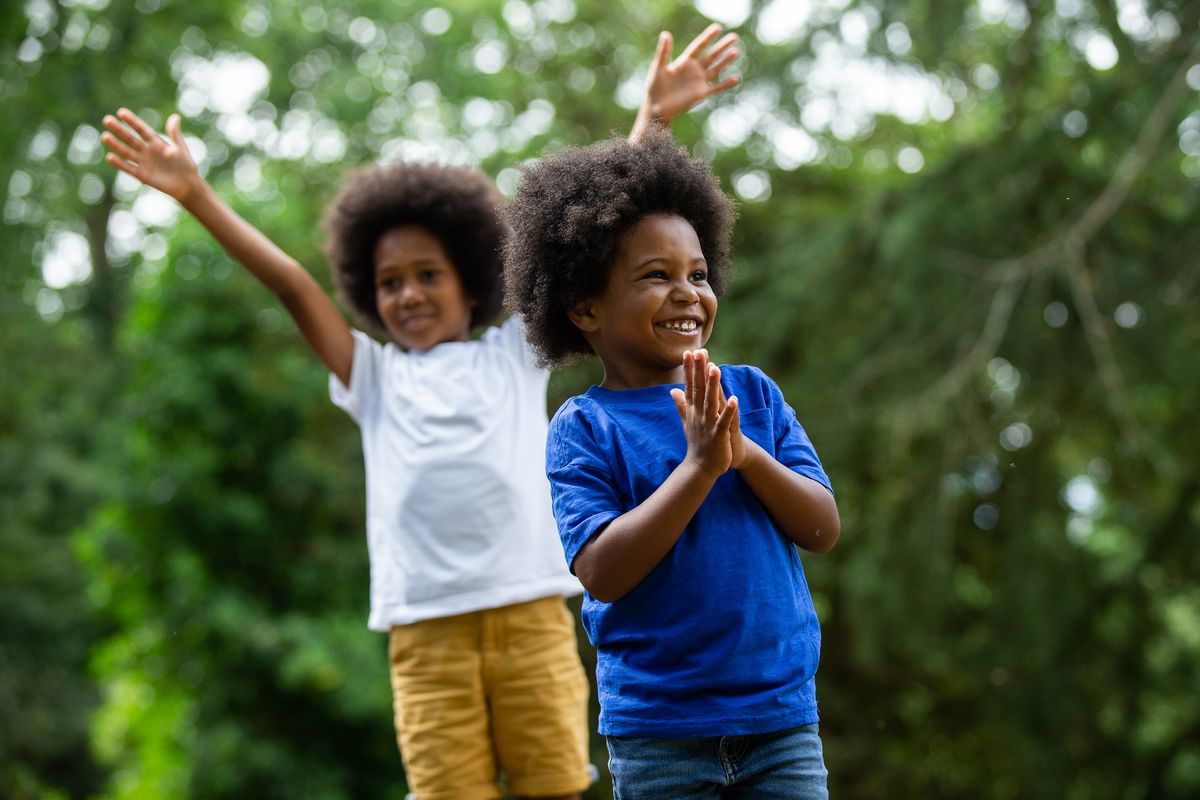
654,259
394,265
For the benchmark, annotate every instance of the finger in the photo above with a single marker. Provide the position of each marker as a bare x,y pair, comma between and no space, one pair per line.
728,83
134,121
725,61
700,42
687,375
727,41
700,379
699,363
121,165
702,368
680,404
118,147
662,54
720,394
175,131
712,391
728,421
123,132
690,360
719,389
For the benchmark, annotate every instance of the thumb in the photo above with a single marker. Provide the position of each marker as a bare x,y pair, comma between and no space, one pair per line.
662,56
175,131
680,404
727,421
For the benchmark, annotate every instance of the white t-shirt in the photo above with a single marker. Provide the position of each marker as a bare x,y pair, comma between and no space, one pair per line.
458,504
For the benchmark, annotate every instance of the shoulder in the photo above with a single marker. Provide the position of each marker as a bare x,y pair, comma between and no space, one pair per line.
577,412
579,422
368,372
369,349
753,387
370,354
368,343
509,337
503,331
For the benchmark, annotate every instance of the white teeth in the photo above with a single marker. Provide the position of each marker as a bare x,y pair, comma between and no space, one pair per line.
685,325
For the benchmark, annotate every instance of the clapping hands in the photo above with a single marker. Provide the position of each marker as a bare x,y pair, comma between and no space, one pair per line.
710,421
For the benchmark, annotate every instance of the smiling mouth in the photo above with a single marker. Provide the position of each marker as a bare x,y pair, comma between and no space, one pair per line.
682,325
415,320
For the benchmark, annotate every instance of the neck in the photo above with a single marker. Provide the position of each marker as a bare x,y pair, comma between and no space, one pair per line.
618,379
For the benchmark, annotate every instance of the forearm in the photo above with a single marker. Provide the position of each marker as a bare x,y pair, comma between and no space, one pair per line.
318,319
274,268
801,508
648,118
618,558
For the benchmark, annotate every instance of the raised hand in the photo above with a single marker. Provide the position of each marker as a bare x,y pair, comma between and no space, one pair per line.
137,150
675,86
707,417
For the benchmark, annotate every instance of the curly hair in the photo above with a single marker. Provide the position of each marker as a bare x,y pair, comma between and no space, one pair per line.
458,205
571,208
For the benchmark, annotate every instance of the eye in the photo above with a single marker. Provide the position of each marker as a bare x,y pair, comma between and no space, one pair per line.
700,276
388,284
428,275
656,274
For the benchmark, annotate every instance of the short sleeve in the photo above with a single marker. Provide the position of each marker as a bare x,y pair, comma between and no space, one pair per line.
365,369
582,486
511,337
793,448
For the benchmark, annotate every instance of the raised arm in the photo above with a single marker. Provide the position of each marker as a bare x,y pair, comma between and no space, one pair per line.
673,87
624,552
166,165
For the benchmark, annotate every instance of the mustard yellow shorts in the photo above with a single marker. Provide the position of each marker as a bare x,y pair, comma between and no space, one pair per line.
498,691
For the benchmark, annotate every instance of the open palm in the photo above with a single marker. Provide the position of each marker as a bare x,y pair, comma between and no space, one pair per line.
139,151
675,86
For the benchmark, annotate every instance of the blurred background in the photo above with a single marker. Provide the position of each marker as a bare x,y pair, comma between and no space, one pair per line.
968,250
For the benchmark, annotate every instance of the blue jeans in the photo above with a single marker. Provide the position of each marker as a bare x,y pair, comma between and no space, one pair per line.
788,765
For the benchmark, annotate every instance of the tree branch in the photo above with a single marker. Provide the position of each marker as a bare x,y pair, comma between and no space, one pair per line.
994,327
1012,273
1116,395
1110,200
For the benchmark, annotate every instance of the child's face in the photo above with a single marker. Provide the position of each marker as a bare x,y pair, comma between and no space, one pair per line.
418,291
657,304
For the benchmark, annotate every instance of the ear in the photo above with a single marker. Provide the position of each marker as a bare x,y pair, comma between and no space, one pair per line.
583,316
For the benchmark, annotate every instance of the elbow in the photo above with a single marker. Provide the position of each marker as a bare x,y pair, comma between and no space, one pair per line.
825,538
596,584
293,284
821,538
598,589
603,594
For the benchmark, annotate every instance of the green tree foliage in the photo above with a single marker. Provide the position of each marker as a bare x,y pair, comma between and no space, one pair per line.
967,250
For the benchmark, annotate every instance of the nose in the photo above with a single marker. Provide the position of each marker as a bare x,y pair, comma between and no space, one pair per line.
684,293
411,295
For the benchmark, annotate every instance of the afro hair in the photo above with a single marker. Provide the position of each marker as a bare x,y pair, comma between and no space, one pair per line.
570,210
460,206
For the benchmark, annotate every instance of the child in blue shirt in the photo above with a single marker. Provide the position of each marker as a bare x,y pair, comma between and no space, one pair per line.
680,489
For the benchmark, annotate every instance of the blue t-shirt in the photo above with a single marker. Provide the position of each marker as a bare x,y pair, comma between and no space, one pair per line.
720,638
